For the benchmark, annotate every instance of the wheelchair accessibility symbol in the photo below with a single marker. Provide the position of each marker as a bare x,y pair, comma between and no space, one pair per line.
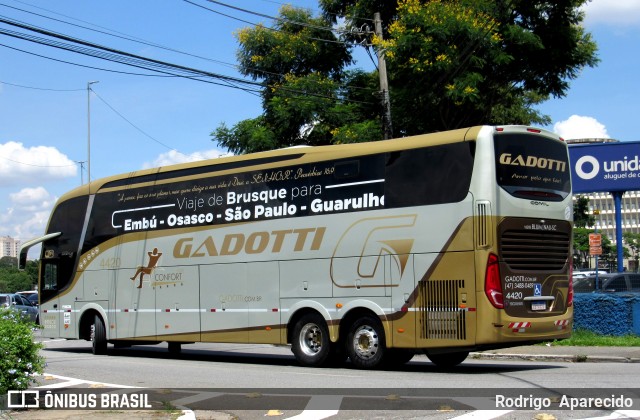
537,289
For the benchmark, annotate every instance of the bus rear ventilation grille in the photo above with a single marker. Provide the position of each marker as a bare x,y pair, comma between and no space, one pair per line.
535,250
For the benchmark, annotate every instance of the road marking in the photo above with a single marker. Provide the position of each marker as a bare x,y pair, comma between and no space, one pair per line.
75,381
482,415
316,408
619,414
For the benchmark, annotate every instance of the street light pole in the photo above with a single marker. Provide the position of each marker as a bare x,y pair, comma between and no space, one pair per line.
89,130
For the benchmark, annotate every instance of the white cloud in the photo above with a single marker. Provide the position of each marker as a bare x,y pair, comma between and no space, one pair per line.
18,163
173,157
580,127
612,12
27,214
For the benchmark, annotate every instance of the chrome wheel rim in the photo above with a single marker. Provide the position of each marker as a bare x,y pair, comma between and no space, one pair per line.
365,342
311,339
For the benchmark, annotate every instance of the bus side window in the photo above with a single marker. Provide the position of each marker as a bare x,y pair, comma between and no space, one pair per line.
50,277
349,169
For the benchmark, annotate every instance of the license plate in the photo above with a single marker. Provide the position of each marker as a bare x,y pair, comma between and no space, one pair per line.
538,305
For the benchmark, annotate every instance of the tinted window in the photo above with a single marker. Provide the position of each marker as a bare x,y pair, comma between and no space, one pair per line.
62,251
584,285
532,167
634,280
431,175
616,284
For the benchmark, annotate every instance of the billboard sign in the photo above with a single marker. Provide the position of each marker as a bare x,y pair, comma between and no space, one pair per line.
605,167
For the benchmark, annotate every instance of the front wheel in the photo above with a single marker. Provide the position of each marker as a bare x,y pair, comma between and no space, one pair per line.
447,360
310,344
366,342
98,336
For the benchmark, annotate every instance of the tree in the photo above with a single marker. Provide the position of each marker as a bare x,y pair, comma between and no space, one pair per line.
451,64
632,241
13,280
581,216
455,63
307,96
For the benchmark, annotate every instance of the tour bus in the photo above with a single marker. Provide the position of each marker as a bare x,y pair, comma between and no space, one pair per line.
440,244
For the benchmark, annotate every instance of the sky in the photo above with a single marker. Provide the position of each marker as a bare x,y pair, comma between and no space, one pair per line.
139,121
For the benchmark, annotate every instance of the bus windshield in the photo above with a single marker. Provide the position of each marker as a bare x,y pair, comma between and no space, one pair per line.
532,166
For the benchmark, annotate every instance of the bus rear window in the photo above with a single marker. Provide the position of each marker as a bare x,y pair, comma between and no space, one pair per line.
532,167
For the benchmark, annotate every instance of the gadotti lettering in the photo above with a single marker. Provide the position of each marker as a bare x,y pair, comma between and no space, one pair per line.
276,241
533,162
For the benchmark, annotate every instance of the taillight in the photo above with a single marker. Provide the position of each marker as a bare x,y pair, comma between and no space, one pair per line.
492,284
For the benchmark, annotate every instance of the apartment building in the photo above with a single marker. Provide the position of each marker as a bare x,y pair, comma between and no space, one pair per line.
9,247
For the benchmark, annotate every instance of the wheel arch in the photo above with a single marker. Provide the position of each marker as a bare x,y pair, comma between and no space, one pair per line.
87,317
360,308
306,307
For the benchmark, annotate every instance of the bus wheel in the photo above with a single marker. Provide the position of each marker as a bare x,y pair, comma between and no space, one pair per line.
310,344
447,360
98,336
366,342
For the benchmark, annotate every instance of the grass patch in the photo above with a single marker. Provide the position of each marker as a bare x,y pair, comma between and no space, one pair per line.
589,338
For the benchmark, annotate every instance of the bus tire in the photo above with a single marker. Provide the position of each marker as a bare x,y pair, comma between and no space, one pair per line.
447,360
397,357
311,345
366,343
98,336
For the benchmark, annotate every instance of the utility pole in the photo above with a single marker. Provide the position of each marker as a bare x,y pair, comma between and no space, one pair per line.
89,131
387,128
81,171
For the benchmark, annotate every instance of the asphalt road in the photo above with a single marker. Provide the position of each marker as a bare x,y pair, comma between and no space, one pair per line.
268,380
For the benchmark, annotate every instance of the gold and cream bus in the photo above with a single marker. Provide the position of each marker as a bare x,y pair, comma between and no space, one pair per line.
443,243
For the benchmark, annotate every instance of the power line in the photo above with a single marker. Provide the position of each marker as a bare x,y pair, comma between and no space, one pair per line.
37,166
131,38
277,19
273,29
117,34
135,126
110,54
39,88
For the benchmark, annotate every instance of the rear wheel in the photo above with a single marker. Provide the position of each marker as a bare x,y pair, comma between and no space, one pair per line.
310,343
98,336
366,342
447,360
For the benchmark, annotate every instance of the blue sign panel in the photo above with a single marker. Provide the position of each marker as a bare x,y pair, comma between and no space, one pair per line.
605,167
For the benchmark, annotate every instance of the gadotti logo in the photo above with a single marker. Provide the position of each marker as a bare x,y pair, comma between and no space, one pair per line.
588,167
374,239
533,162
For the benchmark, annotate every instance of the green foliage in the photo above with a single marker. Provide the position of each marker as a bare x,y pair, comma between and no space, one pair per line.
13,280
581,216
19,354
308,97
632,241
581,248
456,63
451,64
589,338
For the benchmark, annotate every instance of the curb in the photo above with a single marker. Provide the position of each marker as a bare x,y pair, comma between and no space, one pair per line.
554,358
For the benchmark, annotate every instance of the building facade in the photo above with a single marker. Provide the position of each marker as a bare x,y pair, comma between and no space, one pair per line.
605,222
9,247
